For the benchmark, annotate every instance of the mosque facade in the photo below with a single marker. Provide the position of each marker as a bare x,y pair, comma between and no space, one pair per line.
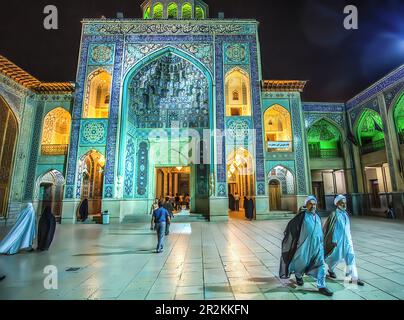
175,103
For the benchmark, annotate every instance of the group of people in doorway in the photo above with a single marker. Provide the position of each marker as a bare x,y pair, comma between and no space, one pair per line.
248,205
179,202
23,233
308,246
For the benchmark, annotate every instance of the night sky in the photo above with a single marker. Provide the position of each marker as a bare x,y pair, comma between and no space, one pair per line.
300,39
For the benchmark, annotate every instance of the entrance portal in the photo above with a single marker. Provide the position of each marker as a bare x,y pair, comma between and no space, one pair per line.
275,195
173,181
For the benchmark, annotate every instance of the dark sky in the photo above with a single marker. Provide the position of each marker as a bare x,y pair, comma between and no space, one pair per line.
300,39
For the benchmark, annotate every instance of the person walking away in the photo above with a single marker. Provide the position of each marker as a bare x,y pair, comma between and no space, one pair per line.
169,207
161,218
153,208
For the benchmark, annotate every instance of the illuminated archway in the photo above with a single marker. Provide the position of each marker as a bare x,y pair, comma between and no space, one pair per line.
186,11
147,13
56,132
98,95
278,129
324,140
241,174
281,188
399,118
172,11
199,12
49,192
238,93
158,10
370,132
8,138
91,176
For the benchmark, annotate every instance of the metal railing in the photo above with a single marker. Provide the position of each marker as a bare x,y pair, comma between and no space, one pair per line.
325,153
54,149
373,147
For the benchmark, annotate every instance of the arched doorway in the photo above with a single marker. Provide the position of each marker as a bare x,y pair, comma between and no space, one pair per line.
275,194
167,106
241,180
327,164
91,168
8,138
49,193
399,122
376,171
282,190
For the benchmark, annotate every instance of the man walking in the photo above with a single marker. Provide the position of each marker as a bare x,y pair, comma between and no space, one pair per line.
303,248
169,207
338,242
161,218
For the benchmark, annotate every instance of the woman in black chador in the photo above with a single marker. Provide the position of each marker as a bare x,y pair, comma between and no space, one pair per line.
249,208
83,210
46,229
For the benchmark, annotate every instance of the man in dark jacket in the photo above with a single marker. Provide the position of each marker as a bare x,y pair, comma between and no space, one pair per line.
169,207
303,248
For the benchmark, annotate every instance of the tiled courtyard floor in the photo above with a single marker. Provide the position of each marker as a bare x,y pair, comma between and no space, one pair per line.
235,260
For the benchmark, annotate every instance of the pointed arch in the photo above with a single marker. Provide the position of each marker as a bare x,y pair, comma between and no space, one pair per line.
49,192
8,142
172,11
137,68
158,11
241,172
199,12
187,11
56,132
238,93
370,132
398,116
286,178
278,129
98,95
324,139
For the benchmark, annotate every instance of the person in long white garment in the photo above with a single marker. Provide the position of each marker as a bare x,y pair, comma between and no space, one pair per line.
303,248
23,233
338,242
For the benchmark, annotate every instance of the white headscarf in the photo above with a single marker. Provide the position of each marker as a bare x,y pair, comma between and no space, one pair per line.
338,199
310,198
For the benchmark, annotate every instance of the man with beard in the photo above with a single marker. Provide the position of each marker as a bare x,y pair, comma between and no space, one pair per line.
303,248
338,242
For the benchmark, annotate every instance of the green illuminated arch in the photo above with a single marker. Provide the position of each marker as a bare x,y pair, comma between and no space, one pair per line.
147,13
187,11
172,11
158,11
324,140
370,127
199,13
399,118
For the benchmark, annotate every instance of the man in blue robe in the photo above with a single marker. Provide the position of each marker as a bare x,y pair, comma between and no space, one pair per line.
338,242
303,248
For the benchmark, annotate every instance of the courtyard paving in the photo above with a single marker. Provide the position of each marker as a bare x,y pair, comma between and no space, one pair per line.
238,260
